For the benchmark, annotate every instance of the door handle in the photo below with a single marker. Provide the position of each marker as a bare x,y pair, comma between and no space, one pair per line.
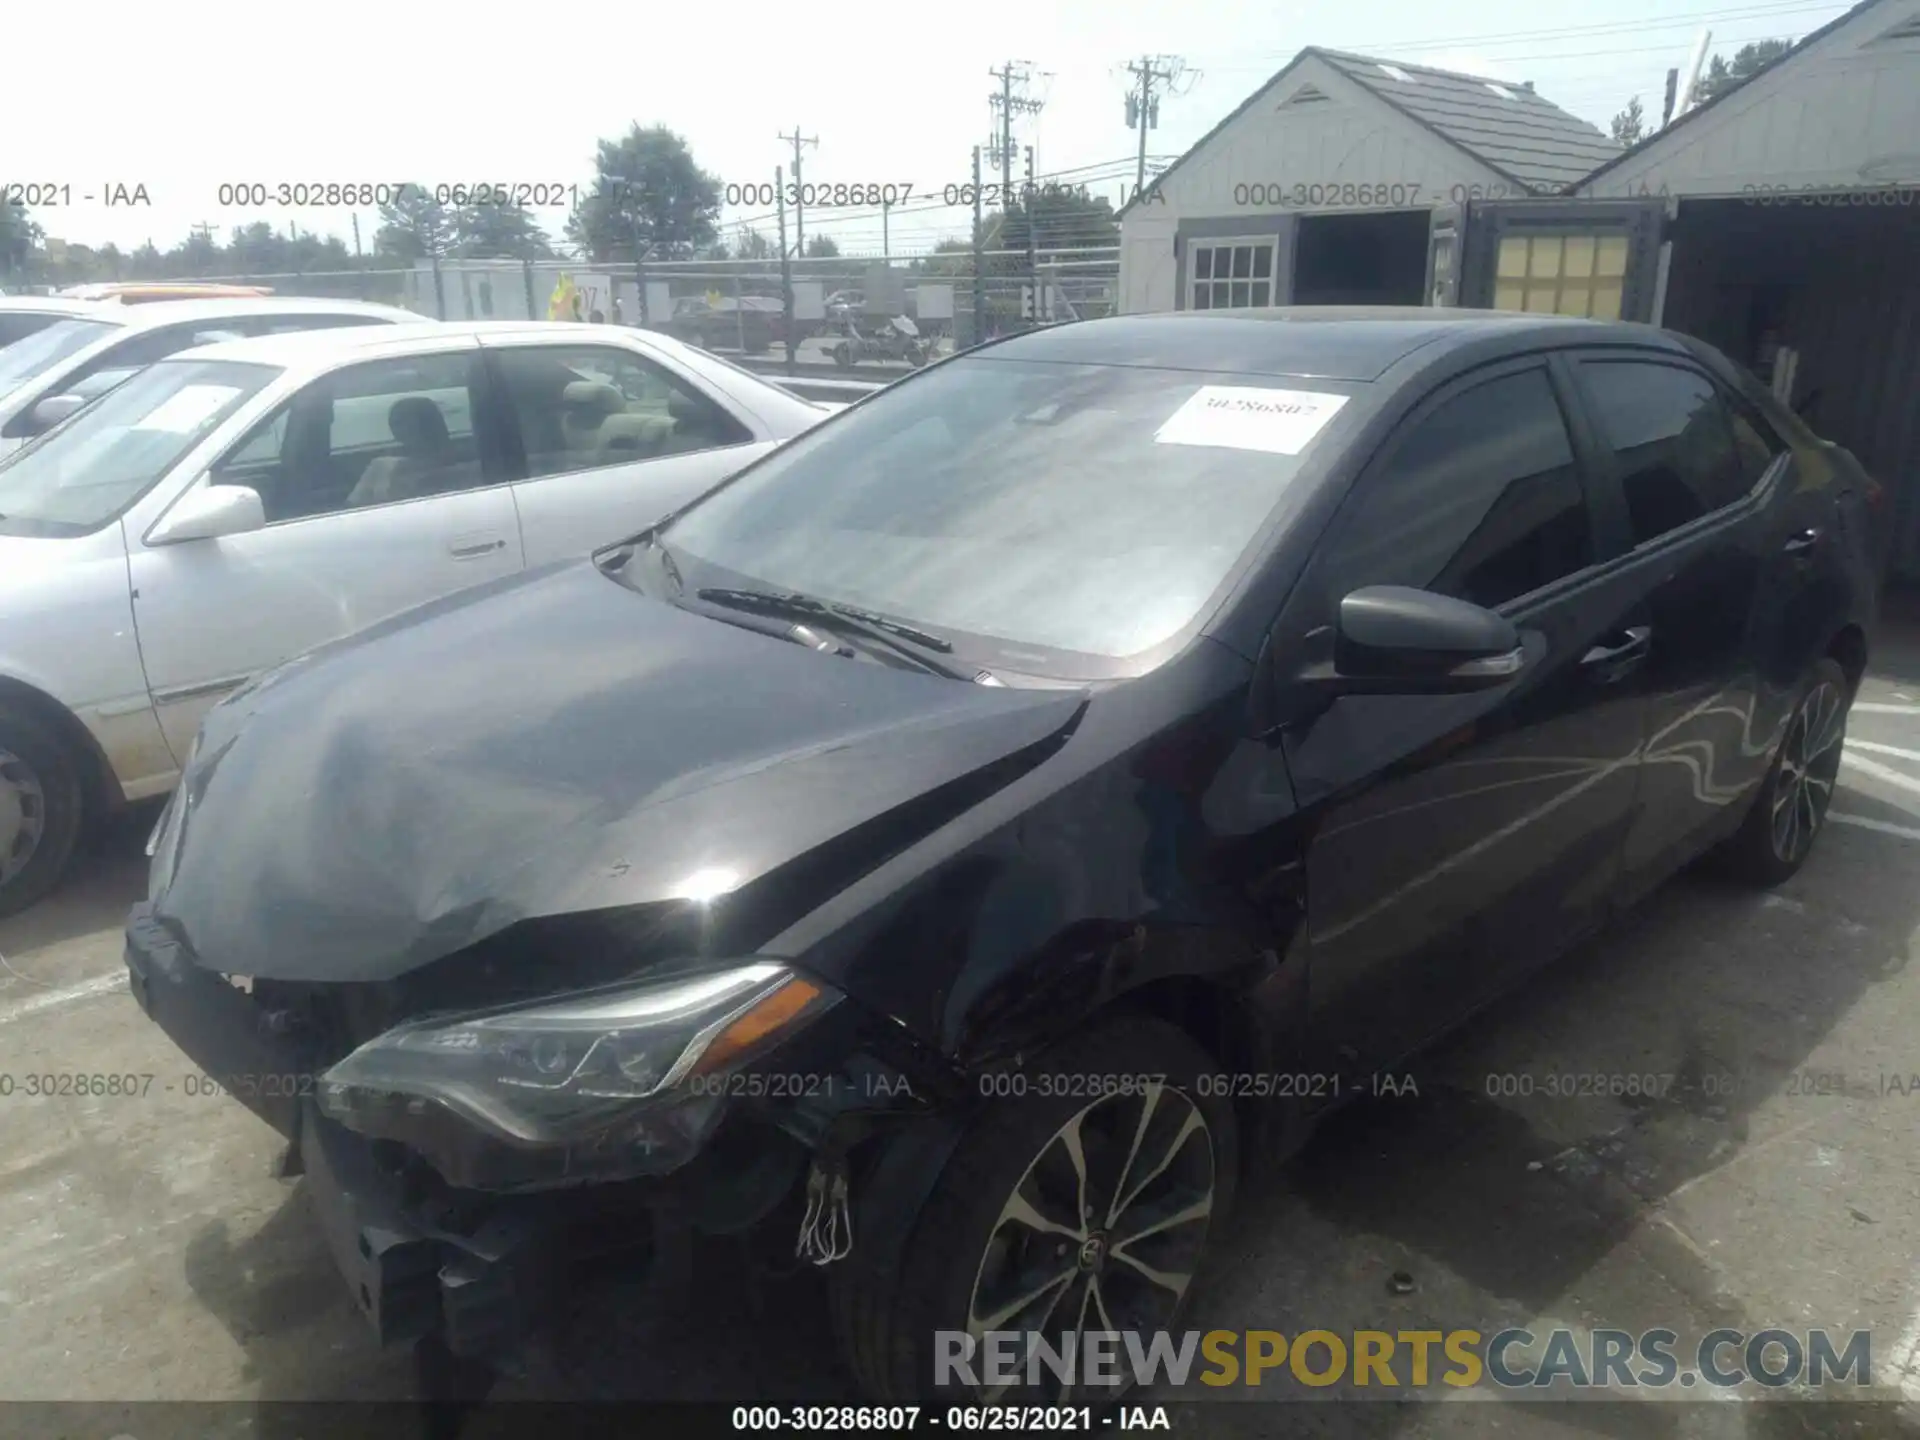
469,547
1635,642
1803,542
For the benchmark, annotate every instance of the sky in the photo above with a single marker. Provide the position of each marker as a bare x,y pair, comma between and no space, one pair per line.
359,92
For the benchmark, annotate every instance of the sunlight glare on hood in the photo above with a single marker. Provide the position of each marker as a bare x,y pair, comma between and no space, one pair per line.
704,885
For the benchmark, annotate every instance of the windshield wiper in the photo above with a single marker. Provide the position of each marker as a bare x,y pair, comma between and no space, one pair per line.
908,641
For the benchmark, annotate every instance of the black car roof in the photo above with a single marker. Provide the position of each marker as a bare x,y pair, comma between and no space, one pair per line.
1330,342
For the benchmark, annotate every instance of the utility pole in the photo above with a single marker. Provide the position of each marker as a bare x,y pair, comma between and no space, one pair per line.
1143,106
886,234
1007,104
786,266
796,139
356,234
979,258
1033,259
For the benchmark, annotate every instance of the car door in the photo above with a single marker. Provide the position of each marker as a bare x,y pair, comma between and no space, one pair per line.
1460,839
610,440
1690,476
384,486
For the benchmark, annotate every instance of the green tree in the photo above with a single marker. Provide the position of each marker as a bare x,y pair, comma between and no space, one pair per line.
949,260
822,247
1630,125
199,254
1722,75
1063,219
413,226
752,244
648,196
502,231
19,240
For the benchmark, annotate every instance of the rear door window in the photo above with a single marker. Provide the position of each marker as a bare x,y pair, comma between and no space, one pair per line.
1674,442
579,407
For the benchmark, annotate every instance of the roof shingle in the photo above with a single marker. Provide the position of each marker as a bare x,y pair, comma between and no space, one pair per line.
1518,133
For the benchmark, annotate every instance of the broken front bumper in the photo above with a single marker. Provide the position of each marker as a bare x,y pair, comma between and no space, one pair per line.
417,1258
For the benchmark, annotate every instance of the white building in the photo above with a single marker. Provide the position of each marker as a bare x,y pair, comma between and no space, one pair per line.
1780,222
1323,187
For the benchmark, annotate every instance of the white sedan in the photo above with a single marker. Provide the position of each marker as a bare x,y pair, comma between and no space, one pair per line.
24,315
234,505
57,371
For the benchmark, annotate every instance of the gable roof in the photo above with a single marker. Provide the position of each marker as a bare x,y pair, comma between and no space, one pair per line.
1784,57
1525,137
1511,130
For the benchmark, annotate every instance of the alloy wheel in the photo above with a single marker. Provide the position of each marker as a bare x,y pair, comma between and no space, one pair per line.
1103,1233
1809,764
23,815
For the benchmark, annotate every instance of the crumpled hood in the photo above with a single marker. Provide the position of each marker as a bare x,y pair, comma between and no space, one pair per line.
551,744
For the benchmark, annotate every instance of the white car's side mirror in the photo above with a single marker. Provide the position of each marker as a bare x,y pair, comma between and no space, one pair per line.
210,512
52,410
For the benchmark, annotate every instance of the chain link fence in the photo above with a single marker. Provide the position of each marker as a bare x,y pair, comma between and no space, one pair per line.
857,316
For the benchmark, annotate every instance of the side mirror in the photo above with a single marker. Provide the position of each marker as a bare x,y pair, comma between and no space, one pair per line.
52,410
1391,640
210,512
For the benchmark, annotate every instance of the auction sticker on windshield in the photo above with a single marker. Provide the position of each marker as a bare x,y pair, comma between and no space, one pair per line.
187,410
1240,417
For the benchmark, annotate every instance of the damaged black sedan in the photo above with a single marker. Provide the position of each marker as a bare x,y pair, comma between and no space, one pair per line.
954,844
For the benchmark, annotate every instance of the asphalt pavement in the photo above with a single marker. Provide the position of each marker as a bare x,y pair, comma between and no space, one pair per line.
150,1254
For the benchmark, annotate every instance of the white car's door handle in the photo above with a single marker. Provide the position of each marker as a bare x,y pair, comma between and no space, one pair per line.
471,547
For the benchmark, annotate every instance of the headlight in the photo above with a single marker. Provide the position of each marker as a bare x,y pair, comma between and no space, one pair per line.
603,1070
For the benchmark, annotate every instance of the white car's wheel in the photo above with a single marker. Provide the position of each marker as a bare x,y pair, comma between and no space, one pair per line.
40,804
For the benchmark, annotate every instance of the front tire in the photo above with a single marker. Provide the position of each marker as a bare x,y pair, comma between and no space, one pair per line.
1150,1169
1773,842
40,809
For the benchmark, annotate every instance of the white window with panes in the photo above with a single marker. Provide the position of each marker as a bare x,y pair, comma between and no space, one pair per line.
1224,274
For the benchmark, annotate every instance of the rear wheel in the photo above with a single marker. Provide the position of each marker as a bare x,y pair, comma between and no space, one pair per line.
40,806
1084,1204
1778,833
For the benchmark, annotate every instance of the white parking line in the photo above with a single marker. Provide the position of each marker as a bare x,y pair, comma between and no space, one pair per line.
1875,748
1881,707
1905,832
66,995
1885,774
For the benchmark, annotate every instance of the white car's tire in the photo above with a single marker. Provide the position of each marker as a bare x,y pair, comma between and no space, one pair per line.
41,800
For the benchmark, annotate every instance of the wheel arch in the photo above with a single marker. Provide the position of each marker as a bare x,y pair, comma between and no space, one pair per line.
100,788
1848,649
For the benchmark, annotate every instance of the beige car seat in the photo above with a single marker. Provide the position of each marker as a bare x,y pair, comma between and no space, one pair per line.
600,430
424,460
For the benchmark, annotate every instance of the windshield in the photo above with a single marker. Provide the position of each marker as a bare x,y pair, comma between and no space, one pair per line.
42,350
1083,508
82,474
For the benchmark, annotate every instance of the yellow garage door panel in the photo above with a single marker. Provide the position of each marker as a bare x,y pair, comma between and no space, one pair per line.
1561,274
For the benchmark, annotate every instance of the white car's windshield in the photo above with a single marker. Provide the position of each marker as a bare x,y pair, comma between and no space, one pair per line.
1084,508
42,350
82,474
